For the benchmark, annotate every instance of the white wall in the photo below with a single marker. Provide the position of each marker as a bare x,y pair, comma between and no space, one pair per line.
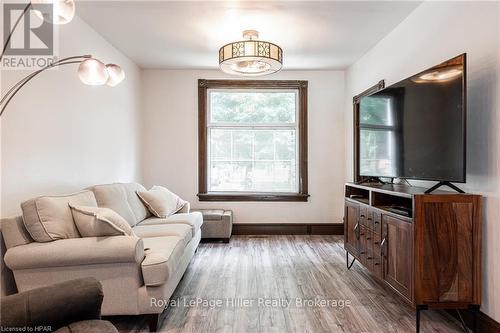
170,144
59,135
434,32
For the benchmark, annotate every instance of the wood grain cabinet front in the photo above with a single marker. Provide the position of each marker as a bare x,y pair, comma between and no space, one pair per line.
351,228
425,247
448,255
398,254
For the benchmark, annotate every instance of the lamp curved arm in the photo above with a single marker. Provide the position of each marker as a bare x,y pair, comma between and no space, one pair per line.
7,41
54,64
15,89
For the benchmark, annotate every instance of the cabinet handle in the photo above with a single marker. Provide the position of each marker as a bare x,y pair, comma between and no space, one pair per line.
369,219
377,263
376,222
368,238
362,215
382,248
356,230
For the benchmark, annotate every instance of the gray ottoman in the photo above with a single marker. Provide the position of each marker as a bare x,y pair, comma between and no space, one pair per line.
217,224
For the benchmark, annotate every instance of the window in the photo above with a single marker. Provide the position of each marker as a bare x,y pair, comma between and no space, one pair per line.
378,136
357,126
252,140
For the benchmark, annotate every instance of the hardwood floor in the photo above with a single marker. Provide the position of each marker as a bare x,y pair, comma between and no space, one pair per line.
288,268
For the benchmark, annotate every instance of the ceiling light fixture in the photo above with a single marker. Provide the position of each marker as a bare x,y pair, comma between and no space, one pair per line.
439,74
250,57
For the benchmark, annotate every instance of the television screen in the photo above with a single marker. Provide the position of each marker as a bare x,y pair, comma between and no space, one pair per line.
415,128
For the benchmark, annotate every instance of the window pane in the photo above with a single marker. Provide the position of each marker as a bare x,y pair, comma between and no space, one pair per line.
376,110
377,153
252,107
285,145
259,160
264,145
221,145
242,145
230,176
253,177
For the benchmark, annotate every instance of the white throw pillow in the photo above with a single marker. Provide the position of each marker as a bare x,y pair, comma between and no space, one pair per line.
161,202
99,221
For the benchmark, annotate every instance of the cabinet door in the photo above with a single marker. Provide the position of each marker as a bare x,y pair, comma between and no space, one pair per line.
397,250
448,248
351,227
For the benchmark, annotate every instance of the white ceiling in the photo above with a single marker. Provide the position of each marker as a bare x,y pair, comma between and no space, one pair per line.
188,34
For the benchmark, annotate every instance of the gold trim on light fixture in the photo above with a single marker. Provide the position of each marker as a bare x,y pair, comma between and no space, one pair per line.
250,57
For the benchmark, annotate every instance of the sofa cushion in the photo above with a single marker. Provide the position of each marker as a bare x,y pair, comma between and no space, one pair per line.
114,196
161,202
159,230
75,252
194,219
14,232
162,256
122,198
140,210
49,218
99,221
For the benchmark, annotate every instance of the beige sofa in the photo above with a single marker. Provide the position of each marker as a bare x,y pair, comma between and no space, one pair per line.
135,272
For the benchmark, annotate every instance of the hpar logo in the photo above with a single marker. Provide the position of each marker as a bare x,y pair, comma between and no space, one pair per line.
28,39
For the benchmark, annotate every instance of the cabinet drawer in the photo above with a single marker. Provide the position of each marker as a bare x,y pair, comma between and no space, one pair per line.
363,212
363,244
377,221
377,239
369,219
369,261
377,268
369,241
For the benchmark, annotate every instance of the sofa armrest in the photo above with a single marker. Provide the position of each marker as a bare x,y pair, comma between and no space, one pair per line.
76,251
185,209
56,306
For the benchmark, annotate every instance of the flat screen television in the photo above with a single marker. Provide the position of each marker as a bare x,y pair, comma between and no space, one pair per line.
415,129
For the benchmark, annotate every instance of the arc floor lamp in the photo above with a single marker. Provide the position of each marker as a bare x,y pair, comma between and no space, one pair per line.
91,71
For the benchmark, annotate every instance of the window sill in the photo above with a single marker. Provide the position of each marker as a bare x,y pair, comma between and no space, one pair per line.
276,197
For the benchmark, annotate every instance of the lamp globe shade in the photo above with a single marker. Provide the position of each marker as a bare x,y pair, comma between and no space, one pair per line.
93,72
54,11
116,75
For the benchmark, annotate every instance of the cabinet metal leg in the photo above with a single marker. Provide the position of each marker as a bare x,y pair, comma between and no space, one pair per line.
464,325
418,320
349,265
474,308
418,309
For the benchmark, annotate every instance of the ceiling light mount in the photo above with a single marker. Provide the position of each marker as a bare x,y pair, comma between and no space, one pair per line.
251,34
250,57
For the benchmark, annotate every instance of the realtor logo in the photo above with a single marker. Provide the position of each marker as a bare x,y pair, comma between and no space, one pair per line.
33,36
